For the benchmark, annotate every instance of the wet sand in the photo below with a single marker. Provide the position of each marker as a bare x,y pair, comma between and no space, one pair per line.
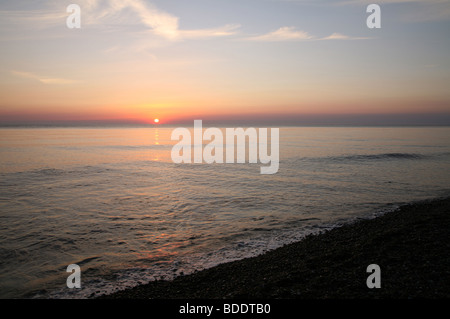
411,246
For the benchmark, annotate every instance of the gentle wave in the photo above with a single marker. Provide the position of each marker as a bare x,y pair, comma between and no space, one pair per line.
377,157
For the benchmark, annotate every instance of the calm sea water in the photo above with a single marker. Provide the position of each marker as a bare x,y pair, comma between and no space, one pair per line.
112,201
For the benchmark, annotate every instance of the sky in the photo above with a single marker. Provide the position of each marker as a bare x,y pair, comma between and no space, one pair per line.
275,61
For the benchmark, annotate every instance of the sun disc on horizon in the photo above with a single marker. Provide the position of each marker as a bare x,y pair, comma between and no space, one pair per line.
156,121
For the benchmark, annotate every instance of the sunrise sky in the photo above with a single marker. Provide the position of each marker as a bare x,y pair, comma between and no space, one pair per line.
137,60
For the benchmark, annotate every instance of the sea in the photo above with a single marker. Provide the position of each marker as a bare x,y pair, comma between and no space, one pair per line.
111,200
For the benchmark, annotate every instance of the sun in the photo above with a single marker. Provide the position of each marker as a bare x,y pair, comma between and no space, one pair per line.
156,121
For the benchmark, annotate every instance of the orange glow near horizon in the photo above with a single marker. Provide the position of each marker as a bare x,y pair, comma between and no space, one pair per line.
175,72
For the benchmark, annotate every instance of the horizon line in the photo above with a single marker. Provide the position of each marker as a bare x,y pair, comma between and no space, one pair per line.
271,120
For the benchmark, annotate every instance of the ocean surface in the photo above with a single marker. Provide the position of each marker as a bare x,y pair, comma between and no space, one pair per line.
112,201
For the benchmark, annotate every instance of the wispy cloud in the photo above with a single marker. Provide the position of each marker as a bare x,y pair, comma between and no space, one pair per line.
163,23
115,14
227,30
339,36
160,22
291,34
283,34
43,79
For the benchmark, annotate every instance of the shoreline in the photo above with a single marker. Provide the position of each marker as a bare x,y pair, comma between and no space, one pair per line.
411,245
